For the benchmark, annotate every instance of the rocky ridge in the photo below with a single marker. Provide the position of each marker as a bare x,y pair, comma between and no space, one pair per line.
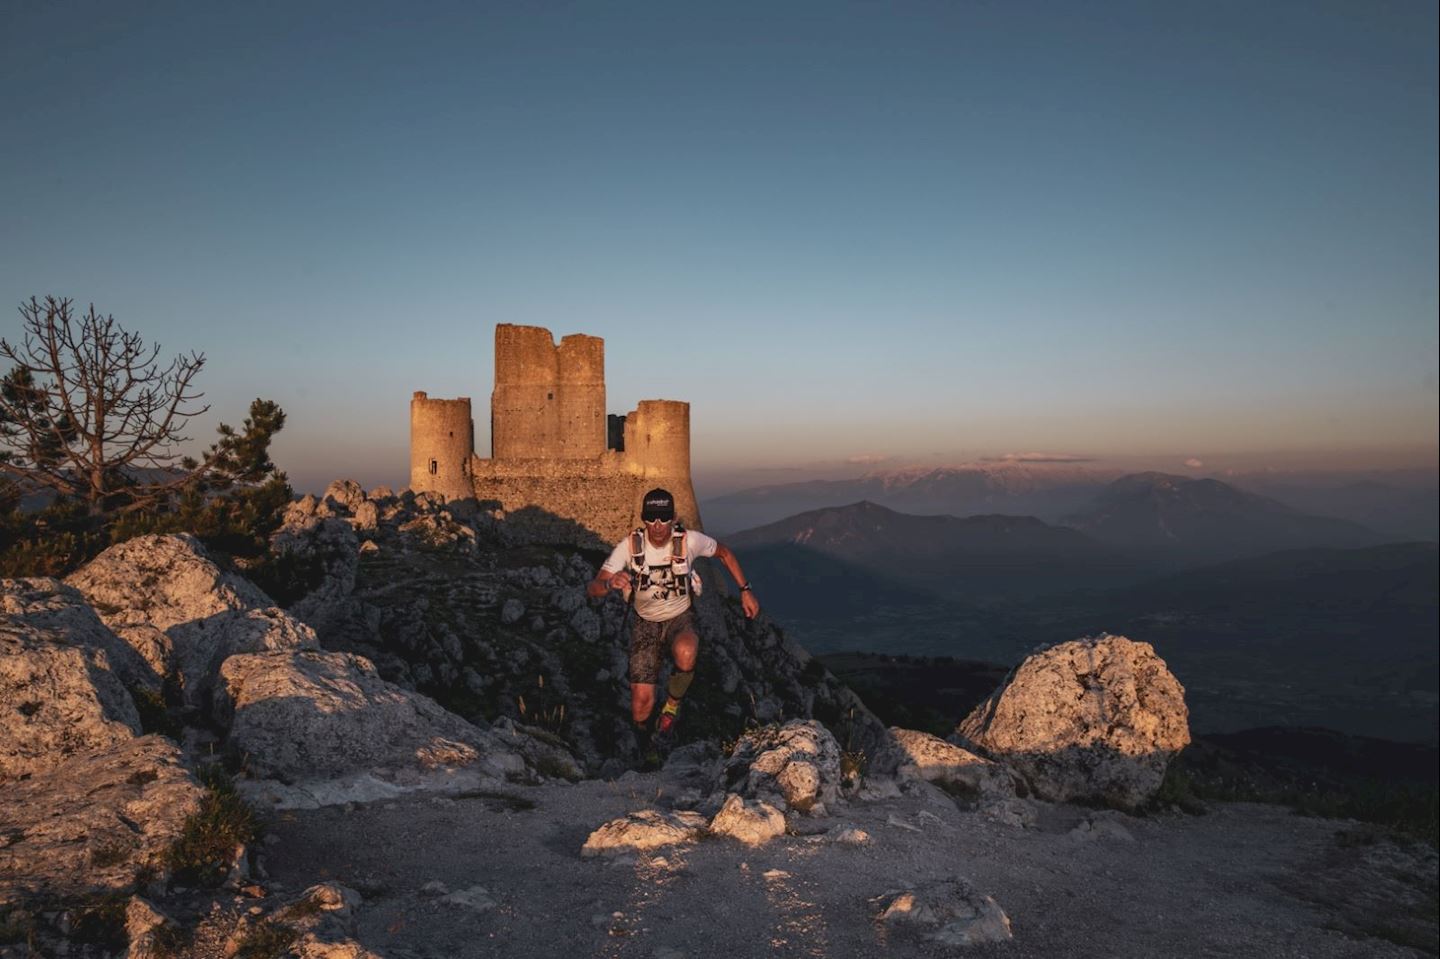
415,605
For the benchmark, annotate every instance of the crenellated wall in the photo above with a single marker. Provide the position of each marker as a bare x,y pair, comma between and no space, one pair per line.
552,444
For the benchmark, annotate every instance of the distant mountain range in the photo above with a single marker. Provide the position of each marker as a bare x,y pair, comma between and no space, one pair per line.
1207,519
1401,507
942,555
1045,492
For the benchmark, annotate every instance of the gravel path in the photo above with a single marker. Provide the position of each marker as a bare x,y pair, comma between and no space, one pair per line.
1242,881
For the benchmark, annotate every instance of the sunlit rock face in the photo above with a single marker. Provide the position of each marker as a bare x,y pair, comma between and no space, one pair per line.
49,604
1093,719
90,823
919,755
795,766
950,913
753,823
57,699
184,615
307,714
643,830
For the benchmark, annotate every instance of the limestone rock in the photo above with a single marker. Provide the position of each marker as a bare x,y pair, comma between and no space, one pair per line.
948,913
57,700
797,764
143,925
753,823
91,823
367,516
347,494
959,771
181,612
643,830
1094,719
50,604
304,714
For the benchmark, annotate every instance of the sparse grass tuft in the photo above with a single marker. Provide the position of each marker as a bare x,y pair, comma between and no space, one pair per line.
203,852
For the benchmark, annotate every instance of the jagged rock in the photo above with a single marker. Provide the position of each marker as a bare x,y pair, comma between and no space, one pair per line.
1101,827
959,771
1094,719
476,899
753,823
302,714
586,624
949,913
143,923
347,494
1019,813
49,604
57,700
91,823
336,545
797,764
181,612
546,753
512,611
643,830
367,516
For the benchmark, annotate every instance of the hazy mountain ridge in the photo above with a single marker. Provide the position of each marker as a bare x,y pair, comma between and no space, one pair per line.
1207,518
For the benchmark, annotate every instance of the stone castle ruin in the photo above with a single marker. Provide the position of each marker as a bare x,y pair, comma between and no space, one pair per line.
553,448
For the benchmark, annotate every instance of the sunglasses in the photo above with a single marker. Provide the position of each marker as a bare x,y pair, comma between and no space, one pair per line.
659,522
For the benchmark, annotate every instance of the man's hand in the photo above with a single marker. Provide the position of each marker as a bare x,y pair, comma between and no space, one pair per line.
620,581
604,582
750,604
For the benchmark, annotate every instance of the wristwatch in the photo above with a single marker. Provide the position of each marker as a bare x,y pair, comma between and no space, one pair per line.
747,588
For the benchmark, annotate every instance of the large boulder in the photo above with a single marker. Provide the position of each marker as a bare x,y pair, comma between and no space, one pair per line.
796,765
94,822
1095,719
305,714
49,604
182,613
57,699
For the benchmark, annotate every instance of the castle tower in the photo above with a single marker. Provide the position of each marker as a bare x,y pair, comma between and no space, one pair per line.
657,449
442,442
549,401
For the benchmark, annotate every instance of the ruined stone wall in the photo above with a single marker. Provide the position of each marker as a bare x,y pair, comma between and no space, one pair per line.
602,495
548,401
442,445
550,436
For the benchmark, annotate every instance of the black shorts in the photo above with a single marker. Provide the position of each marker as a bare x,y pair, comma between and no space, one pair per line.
649,640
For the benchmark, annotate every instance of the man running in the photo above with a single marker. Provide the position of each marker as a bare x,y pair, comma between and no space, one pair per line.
655,562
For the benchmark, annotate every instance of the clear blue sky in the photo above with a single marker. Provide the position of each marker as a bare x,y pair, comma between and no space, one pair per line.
909,230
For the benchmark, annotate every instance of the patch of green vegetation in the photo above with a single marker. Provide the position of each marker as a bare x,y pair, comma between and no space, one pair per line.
202,853
287,576
17,927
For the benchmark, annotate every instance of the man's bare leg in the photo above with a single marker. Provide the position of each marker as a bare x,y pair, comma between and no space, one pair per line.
642,701
684,649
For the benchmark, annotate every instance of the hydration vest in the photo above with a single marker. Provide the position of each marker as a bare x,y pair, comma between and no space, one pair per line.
687,581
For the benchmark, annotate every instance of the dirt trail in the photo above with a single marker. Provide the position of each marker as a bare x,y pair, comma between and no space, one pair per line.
1232,883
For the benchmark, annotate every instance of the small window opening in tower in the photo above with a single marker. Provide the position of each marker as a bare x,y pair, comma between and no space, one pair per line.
434,467
452,434
549,396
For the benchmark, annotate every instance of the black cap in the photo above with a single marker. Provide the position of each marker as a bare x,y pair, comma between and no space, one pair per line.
657,504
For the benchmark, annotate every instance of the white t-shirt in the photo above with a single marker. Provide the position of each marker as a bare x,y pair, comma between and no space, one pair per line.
660,600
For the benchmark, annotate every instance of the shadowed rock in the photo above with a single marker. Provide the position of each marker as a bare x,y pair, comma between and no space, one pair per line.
949,913
47,603
959,771
1094,719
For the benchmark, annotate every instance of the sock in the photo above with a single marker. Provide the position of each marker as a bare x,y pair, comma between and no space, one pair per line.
679,684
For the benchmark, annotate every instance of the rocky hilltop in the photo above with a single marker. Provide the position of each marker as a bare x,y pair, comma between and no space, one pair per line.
419,747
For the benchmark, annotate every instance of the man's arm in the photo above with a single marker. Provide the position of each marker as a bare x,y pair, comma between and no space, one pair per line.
748,602
605,580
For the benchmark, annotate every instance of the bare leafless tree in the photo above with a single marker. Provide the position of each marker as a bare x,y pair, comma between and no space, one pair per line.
88,407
